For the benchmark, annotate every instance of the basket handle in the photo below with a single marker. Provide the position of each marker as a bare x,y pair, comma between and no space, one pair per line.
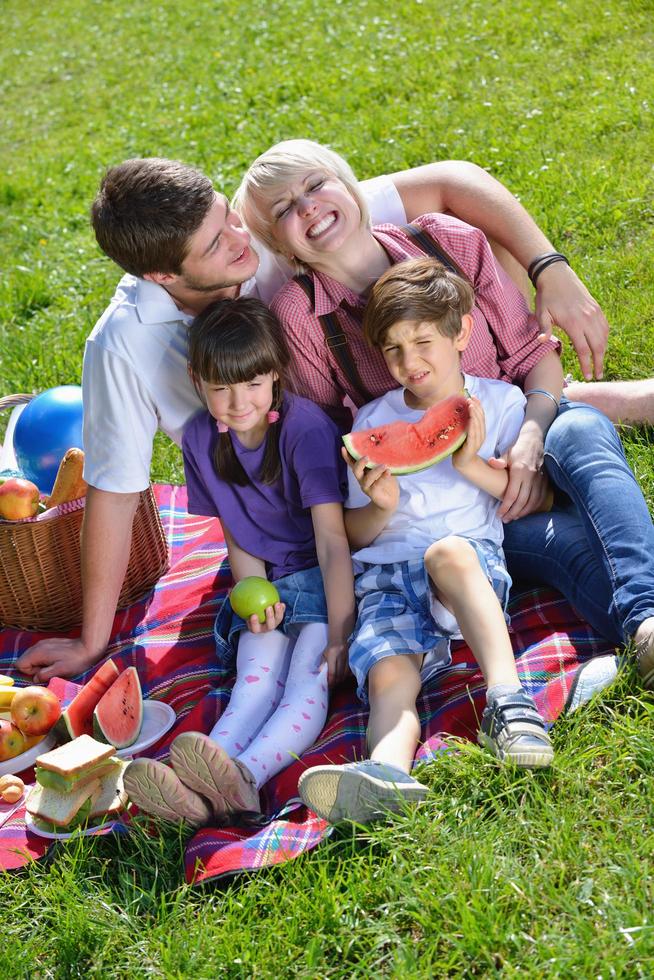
10,401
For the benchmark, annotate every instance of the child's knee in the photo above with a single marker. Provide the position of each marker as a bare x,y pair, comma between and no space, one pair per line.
394,674
450,556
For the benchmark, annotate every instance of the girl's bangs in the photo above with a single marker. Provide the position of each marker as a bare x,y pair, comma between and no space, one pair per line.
234,363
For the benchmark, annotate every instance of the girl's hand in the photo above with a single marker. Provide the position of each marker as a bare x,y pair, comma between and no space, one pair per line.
528,487
335,656
378,484
274,619
475,437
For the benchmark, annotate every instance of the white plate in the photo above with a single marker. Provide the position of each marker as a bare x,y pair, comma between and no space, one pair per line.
26,759
51,835
158,718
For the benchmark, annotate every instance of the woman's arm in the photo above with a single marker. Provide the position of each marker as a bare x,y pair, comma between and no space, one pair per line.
470,193
338,580
527,489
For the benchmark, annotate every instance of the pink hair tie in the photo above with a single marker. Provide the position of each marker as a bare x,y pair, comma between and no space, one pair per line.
273,417
222,427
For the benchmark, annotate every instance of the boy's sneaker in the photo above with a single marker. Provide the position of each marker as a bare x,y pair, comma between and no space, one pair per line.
512,729
206,768
358,791
156,790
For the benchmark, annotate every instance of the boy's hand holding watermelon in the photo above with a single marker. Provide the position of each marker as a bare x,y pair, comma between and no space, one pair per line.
377,483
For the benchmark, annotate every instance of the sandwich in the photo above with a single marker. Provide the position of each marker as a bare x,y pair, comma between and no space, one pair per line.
78,784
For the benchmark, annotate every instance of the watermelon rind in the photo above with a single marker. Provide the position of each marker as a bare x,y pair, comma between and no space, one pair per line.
445,422
77,718
118,716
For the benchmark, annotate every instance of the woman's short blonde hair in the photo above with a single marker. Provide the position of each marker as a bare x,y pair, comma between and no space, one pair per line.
272,171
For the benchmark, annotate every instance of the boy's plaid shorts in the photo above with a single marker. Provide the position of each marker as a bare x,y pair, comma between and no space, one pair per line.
398,612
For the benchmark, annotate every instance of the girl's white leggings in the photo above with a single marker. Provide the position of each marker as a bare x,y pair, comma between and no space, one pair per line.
278,705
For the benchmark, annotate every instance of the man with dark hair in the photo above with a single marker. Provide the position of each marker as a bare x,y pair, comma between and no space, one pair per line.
182,247
146,212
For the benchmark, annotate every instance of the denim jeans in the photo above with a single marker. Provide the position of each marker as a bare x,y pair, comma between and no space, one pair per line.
596,545
304,596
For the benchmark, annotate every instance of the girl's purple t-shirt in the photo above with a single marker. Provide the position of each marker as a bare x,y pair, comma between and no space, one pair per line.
271,522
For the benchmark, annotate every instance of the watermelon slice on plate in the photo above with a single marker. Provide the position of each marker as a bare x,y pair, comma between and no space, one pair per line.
118,715
77,718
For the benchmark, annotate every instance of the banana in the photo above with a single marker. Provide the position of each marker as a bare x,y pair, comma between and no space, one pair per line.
7,695
6,681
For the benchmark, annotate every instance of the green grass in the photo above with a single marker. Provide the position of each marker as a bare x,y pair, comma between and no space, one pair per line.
529,875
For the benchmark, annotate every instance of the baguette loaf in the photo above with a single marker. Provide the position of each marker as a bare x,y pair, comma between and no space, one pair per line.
69,484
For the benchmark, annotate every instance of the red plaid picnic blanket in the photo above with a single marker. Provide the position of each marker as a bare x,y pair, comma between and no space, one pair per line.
168,637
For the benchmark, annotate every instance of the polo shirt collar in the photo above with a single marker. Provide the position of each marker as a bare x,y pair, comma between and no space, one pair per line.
155,305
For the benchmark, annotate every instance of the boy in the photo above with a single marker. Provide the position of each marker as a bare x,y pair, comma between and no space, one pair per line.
427,551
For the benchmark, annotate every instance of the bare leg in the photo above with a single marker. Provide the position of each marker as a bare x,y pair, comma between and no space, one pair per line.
628,402
511,727
393,728
463,588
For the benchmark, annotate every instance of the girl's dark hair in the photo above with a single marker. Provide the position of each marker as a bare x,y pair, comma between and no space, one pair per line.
231,342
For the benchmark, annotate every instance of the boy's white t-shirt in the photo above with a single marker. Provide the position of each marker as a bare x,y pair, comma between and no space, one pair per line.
134,377
438,501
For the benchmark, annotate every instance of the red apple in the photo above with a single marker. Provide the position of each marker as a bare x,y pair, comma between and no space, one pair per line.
18,499
12,742
35,710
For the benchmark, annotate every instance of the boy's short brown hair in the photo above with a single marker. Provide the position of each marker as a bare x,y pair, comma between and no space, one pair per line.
422,290
146,211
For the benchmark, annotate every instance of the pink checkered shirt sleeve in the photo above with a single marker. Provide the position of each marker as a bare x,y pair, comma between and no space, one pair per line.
510,341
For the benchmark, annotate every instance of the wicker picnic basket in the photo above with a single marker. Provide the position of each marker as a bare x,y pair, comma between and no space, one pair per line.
40,577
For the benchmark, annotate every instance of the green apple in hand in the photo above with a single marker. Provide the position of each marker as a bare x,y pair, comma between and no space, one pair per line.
252,596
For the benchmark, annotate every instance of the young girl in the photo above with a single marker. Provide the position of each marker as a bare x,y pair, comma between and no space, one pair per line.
267,463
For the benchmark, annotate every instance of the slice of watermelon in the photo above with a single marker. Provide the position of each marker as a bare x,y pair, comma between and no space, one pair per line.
77,718
118,716
406,447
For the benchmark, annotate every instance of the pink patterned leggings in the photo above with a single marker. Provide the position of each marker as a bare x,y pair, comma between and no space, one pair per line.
279,700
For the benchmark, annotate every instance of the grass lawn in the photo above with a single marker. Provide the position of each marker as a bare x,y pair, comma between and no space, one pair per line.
499,874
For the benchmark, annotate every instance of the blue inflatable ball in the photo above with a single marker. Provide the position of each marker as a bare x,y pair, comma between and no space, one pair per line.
46,429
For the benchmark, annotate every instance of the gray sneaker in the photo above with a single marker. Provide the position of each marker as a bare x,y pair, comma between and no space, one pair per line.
358,791
156,790
514,731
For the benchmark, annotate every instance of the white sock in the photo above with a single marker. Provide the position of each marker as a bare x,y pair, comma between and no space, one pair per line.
262,663
300,717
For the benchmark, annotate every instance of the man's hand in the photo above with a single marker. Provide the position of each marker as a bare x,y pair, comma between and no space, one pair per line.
563,300
377,483
274,619
57,657
528,487
335,656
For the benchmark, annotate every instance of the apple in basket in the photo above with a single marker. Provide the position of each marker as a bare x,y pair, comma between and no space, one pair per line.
18,499
35,710
12,741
